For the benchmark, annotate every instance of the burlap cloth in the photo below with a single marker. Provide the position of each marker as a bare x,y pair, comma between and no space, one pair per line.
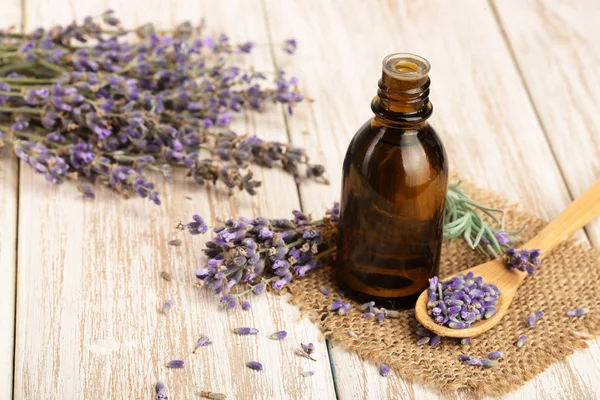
568,278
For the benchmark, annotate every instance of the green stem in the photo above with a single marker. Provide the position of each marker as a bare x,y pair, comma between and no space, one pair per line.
51,66
21,110
26,80
325,253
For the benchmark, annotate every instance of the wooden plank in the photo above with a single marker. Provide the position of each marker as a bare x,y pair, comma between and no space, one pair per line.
482,113
87,321
9,173
556,49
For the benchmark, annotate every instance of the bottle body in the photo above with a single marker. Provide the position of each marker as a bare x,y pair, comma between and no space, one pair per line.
395,178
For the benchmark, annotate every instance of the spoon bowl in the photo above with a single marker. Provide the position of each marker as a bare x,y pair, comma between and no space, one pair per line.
585,208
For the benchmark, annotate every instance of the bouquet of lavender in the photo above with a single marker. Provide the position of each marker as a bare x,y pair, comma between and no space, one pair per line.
108,112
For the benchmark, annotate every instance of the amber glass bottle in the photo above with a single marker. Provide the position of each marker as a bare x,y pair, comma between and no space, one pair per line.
395,178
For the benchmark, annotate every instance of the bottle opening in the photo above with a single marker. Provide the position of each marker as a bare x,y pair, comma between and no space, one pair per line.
406,66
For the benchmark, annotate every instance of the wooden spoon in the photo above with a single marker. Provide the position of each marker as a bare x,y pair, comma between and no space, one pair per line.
575,216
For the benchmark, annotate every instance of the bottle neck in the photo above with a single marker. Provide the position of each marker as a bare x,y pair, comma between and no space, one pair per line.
403,95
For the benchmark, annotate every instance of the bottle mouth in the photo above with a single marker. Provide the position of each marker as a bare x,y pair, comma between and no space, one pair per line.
406,66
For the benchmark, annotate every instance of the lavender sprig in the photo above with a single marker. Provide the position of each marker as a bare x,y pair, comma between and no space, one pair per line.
523,260
108,111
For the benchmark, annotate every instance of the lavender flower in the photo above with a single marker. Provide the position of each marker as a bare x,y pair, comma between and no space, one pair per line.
423,340
278,335
465,340
577,312
307,374
380,318
435,340
487,363
521,341
523,260
166,306
147,105
464,357
161,391
175,364
384,370
533,318
325,291
246,305
461,301
262,251
255,365
245,331
203,341
351,333
495,355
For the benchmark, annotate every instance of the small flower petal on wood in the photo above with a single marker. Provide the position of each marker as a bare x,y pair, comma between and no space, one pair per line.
176,364
255,365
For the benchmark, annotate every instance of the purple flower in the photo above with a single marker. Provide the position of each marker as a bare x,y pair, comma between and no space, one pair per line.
578,312
495,355
255,365
502,238
166,306
307,374
245,331
325,291
203,341
289,46
197,226
308,348
523,260
278,335
384,370
533,318
435,340
343,310
465,340
521,341
380,318
336,305
423,340
175,364
246,305
161,391
464,357
259,289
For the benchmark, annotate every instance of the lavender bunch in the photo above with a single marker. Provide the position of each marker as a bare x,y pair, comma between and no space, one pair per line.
260,252
108,112
463,218
523,260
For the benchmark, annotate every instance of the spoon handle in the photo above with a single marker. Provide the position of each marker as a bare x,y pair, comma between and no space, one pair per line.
581,211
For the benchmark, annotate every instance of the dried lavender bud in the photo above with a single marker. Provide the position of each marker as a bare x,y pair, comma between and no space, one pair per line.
523,260
461,301
307,374
213,395
421,331
255,365
380,318
336,305
175,242
393,314
352,334
175,364
533,318
488,363
521,341
495,355
343,310
368,315
325,291
304,354
278,335
203,341
161,391
308,348
464,357
246,305
384,370
474,361
435,340
166,276
166,306
245,331
423,340
465,340
367,306
578,312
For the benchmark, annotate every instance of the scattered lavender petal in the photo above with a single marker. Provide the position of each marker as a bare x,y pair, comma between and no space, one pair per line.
325,291
255,365
423,340
308,348
578,312
466,340
245,331
352,334
167,306
307,374
531,320
435,340
495,355
380,318
464,357
161,391
175,242
393,314
175,364
521,341
246,305
278,335
488,363
474,361
384,370
367,306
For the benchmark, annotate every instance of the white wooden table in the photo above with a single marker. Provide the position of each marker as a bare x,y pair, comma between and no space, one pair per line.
515,87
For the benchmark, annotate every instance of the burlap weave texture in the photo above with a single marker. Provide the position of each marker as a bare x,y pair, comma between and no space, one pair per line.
568,278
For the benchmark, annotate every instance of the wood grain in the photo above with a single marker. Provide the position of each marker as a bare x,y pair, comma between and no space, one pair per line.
89,276
10,15
557,50
482,113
